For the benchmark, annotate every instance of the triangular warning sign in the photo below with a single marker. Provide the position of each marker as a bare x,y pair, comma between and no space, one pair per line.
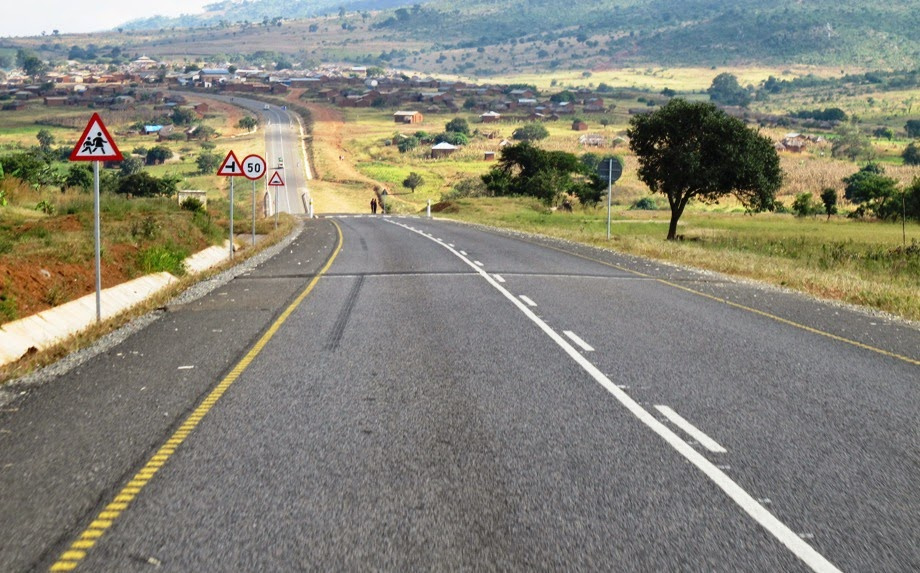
276,180
95,144
230,167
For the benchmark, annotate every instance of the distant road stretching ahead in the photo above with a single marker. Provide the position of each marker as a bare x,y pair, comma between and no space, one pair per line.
407,394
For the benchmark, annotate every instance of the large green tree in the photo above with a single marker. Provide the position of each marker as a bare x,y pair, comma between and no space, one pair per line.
692,151
530,132
248,122
525,169
872,190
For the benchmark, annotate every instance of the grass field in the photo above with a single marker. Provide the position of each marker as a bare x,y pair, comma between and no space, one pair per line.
860,262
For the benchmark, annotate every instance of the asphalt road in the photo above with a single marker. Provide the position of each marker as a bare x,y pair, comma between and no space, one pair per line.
423,395
284,154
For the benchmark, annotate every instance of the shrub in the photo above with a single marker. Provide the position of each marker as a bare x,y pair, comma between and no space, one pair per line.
805,205
911,154
192,204
146,228
169,258
407,144
645,204
458,125
8,307
45,207
530,132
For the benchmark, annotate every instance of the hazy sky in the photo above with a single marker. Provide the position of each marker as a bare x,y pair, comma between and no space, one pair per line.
32,17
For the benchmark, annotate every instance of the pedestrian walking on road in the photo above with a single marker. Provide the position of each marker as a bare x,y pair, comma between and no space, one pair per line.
374,206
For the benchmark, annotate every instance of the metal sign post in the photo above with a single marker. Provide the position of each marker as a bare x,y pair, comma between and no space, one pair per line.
610,169
96,145
276,181
253,169
609,194
230,168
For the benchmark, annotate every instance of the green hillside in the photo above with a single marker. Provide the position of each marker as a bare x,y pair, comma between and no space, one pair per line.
483,38
710,32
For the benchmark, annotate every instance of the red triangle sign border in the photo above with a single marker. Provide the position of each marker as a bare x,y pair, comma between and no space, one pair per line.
276,180
95,122
228,161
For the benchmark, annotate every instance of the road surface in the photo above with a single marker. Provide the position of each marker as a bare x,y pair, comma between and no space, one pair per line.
284,153
411,394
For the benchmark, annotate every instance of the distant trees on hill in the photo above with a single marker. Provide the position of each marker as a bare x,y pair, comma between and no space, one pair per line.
726,90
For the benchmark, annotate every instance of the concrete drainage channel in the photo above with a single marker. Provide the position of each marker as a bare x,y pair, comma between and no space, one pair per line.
52,326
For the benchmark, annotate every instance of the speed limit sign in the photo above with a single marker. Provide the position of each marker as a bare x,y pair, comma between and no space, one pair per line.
253,167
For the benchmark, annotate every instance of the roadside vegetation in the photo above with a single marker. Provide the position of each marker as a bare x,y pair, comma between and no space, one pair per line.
843,224
46,202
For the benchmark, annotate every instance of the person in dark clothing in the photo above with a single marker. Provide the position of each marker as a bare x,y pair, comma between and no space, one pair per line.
374,206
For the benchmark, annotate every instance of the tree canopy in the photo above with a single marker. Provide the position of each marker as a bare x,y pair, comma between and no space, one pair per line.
911,154
872,190
458,125
692,151
530,132
525,169
726,90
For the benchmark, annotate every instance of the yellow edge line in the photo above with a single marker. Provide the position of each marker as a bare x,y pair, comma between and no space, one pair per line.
779,319
77,550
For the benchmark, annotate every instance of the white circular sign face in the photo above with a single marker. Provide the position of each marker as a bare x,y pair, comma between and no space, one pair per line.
253,167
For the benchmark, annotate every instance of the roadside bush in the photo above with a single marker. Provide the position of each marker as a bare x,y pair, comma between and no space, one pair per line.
192,204
213,233
169,258
469,187
146,228
644,204
8,307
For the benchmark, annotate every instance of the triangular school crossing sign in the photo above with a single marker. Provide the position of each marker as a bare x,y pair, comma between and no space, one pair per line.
276,180
96,144
230,166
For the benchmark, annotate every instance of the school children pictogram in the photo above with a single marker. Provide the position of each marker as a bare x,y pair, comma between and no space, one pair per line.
96,144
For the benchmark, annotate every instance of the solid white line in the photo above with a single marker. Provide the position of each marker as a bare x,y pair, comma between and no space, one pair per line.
527,300
735,492
499,278
691,430
577,340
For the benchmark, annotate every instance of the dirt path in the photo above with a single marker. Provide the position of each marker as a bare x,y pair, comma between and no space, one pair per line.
339,186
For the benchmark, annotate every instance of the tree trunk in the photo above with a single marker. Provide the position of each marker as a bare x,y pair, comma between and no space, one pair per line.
672,228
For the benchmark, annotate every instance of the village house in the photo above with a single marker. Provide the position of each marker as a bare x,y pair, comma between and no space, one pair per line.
793,142
409,117
490,117
592,140
443,149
